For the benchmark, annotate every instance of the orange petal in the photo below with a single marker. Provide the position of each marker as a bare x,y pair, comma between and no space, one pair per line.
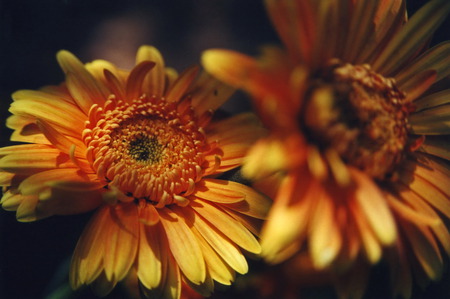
296,25
84,88
35,161
209,94
418,84
181,85
136,78
234,137
69,179
71,122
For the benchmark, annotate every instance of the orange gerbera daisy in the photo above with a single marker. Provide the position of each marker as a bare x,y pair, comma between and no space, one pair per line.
357,134
141,147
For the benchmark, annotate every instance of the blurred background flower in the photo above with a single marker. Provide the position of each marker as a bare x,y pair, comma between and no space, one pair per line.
34,257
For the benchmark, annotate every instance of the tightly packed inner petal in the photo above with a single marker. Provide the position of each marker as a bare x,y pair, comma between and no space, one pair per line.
146,149
359,114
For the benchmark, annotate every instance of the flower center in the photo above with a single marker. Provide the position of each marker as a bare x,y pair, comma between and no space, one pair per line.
359,114
146,149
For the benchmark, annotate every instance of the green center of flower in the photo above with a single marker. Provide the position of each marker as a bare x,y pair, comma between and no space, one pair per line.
359,114
146,149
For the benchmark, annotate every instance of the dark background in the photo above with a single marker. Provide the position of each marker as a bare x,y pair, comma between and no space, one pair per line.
34,256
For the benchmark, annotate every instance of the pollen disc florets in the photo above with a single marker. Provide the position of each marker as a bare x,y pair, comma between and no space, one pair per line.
148,148
361,115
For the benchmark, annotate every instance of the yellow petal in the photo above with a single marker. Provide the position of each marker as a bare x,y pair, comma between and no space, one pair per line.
184,246
121,241
325,237
290,214
371,245
87,260
154,83
426,251
272,152
254,204
219,270
219,191
226,249
427,191
236,232
374,206
149,269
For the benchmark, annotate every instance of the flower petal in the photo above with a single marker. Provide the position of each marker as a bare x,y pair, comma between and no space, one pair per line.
136,78
227,250
182,84
154,83
435,59
219,191
412,37
234,137
374,206
83,87
87,260
219,270
35,160
184,246
236,232
290,214
433,100
427,191
149,268
70,122
426,251
254,204
432,121
121,242
325,238
209,94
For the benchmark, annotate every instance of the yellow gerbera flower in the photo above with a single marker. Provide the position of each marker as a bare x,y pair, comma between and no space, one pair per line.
358,129
141,147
